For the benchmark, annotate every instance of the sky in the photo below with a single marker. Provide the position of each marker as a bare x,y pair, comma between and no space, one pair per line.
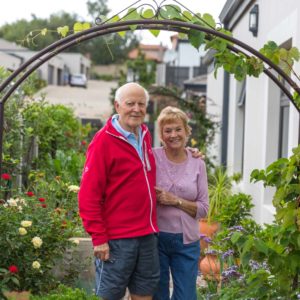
23,9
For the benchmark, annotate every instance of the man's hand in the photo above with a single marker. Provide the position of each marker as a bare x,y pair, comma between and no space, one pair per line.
196,153
102,251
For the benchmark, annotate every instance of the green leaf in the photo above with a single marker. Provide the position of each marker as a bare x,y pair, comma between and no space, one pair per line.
289,216
132,14
209,20
163,13
63,31
114,19
86,26
296,98
148,14
15,281
196,38
294,53
186,14
173,12
155,32
122,33
235,237
261,246
44,31
77,27
298,241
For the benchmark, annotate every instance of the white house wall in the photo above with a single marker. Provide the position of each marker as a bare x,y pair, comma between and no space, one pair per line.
279,23
9,62
75,63
214,110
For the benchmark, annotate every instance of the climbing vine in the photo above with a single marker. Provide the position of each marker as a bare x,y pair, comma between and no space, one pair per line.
239,64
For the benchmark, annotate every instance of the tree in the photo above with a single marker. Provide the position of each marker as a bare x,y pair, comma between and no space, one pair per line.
103,50
97,8
17,31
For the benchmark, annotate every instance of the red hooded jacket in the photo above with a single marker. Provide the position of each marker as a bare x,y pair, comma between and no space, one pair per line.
117,197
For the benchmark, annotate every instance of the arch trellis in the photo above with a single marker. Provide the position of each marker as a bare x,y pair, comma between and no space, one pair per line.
154,23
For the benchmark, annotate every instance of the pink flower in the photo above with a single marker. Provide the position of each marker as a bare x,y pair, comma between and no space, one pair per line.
13,269
42,199
6,176
44,205
30,194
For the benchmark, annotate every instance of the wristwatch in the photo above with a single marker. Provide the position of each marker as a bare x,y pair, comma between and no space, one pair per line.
179,202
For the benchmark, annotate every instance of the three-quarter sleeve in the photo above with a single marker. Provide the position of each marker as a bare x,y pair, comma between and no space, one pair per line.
202,194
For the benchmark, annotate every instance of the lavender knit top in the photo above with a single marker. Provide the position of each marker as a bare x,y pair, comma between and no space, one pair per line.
187,180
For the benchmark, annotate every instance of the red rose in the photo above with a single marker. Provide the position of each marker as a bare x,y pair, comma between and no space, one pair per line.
44,205
6,176
13,269
30,194
83,143
42,199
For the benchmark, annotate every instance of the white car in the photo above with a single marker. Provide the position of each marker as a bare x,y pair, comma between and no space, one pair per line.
78,80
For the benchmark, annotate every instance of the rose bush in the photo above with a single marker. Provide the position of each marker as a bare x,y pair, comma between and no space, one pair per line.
32,239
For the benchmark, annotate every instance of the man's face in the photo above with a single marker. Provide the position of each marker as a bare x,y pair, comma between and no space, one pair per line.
132,109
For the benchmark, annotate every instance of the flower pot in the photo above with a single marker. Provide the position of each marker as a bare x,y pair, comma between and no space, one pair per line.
209,229
14,295
210,267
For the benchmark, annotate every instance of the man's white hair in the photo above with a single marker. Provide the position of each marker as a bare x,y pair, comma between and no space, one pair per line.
118,94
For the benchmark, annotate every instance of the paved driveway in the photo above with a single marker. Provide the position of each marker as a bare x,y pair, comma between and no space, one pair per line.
90,103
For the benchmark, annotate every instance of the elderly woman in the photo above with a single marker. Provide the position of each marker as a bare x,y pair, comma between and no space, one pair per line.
182,195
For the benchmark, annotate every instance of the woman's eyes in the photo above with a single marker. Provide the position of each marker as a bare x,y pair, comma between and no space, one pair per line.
177,130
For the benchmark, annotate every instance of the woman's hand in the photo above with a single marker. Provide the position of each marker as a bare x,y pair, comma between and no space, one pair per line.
196,153
165,198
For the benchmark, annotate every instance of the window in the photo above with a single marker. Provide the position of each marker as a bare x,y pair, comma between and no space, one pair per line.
283,125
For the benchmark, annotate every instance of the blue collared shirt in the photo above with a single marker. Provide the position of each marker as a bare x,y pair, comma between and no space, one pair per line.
129,136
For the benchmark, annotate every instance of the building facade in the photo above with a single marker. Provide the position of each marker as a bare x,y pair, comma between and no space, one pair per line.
258,123
56,71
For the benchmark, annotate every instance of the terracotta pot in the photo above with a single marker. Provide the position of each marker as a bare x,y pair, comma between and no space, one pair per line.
203,244
209,229
17,295
210,267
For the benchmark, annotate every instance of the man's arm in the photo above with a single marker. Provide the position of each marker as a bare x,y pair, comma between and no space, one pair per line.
90,197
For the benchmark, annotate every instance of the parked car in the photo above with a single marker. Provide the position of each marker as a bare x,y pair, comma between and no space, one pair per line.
78,80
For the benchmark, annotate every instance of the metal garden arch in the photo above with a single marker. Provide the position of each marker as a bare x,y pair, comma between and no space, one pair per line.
236,46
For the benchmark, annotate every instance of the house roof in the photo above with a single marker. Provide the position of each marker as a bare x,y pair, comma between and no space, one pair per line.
151,52
7,46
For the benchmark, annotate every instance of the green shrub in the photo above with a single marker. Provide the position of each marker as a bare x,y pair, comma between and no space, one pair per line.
33,237
66,293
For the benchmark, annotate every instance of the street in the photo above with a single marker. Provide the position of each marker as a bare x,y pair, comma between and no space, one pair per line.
90,103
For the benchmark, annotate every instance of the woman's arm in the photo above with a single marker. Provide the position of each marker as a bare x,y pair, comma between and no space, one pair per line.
166,198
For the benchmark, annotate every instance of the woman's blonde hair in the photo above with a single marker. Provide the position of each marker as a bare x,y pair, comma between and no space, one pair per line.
170,114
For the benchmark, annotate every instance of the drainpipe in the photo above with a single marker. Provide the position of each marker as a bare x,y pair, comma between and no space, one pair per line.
225,113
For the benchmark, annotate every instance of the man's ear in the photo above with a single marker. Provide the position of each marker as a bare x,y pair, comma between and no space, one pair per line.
116,105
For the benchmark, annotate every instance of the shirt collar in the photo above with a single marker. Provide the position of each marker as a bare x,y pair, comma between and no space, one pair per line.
116,123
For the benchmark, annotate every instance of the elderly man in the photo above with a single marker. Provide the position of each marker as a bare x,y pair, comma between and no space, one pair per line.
117,200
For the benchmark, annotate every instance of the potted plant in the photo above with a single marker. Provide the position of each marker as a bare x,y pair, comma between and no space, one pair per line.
219,189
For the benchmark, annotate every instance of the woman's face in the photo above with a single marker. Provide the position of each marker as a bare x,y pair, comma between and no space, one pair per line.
174,135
